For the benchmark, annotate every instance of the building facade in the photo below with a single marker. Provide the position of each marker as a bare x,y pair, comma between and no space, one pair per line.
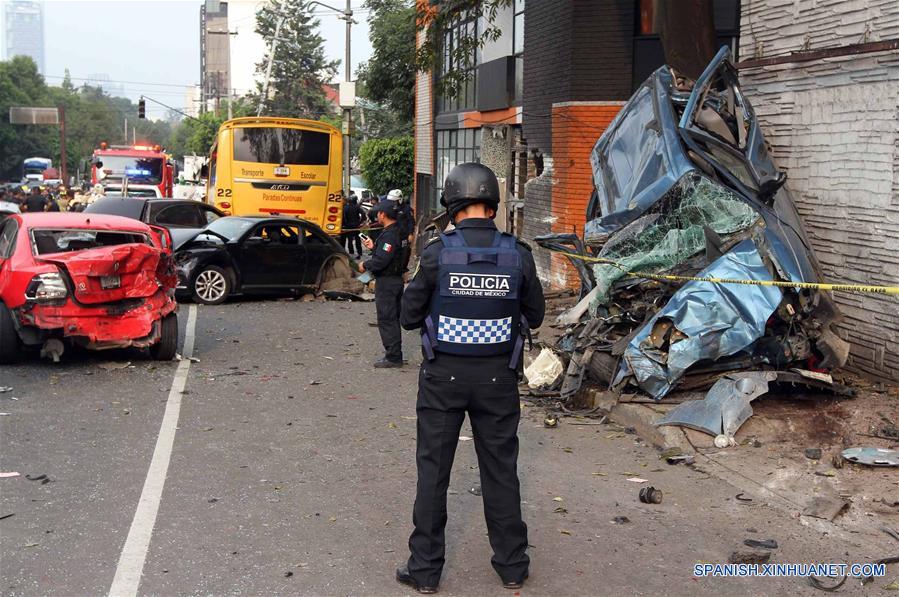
584,60
823,79
480,123
23,30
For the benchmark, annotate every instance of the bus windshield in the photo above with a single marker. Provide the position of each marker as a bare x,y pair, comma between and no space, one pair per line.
139,170
273,145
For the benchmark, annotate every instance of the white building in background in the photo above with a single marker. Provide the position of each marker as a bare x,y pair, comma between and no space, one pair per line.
23,30
102,81
230,49
247,47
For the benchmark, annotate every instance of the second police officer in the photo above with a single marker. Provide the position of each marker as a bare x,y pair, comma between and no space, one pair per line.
388,263
474,296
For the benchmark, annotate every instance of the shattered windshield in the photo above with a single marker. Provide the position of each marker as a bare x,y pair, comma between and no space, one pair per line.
49,241
673,231
230,228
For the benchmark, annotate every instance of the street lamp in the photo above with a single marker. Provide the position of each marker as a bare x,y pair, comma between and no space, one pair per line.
347,107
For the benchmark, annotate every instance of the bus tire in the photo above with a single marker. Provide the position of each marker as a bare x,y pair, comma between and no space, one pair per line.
210,285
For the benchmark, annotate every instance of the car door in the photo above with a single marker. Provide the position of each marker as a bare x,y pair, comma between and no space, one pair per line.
317,250
270,256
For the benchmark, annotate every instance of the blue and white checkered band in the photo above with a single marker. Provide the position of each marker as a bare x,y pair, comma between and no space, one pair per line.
474,331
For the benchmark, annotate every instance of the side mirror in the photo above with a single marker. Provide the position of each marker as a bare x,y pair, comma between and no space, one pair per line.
769,188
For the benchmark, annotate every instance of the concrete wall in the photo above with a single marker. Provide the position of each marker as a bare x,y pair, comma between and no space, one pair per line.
424,116
833,125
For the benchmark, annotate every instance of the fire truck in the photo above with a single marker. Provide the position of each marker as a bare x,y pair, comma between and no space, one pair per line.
137,169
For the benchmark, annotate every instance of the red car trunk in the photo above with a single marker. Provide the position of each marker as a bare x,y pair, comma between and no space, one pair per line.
110,274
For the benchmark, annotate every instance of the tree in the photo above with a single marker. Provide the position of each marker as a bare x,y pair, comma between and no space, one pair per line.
195,136
389,76
299,67
388,164
21,85
434,19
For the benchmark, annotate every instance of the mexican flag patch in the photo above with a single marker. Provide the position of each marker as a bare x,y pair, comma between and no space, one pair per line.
387,247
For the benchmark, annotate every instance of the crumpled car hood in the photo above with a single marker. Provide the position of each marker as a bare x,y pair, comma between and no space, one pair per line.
142,269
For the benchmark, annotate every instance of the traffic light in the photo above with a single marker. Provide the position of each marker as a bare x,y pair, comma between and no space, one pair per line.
141,108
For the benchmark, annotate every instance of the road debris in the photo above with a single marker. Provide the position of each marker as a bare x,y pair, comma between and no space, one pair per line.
872,456
545,371
826,507
763,544
620,520
8,475
741,556
43,478
650,495
114,366
5,389
813,453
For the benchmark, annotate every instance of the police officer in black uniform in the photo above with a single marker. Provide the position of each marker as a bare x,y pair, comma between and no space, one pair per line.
474,297
388,263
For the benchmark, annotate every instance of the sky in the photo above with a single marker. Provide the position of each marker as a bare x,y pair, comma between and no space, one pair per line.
152,47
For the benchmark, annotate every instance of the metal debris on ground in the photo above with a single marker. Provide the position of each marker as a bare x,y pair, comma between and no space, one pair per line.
650,495
872,456
684,187
763,544
813,453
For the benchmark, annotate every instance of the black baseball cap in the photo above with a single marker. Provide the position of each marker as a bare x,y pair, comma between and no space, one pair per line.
388,207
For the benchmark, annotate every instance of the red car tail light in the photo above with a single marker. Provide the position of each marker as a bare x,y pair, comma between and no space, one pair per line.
46,288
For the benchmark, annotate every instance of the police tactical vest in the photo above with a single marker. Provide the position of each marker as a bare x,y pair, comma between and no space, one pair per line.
475,308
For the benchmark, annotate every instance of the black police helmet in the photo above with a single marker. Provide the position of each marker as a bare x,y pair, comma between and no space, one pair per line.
467,184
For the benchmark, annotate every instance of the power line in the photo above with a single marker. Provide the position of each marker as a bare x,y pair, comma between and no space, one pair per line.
95,80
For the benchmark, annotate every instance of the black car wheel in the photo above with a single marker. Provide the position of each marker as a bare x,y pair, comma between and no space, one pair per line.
9,338
211,285
167,347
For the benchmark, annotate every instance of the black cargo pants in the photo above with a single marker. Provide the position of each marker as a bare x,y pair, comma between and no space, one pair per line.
487,390
388,295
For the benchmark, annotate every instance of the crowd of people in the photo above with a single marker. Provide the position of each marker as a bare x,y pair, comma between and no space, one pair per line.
38,198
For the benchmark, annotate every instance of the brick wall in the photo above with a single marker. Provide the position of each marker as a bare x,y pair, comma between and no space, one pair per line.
575,126
833,125
574,50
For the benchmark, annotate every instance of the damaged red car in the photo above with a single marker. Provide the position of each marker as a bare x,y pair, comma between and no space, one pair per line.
92,280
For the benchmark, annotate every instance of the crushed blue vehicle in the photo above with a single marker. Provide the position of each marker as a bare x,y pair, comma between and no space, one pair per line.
685,186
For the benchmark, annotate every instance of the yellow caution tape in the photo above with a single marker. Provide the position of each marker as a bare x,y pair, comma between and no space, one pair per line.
862,288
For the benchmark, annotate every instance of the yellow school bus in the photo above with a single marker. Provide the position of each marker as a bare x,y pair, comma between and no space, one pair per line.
278,166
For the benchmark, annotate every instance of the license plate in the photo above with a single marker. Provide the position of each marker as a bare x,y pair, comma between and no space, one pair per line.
282,171
109,282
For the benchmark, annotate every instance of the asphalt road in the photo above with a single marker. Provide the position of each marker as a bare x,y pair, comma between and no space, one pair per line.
292,472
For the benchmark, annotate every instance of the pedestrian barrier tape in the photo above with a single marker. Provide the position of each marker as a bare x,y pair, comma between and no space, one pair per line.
826,286
361,229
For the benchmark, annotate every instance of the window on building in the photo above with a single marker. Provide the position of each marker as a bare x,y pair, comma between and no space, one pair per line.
466,97
518,50
455,147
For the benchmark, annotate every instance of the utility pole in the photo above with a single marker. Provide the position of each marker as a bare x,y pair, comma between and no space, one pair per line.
271,59
63,167
347,112
230,100
126,130
348,76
